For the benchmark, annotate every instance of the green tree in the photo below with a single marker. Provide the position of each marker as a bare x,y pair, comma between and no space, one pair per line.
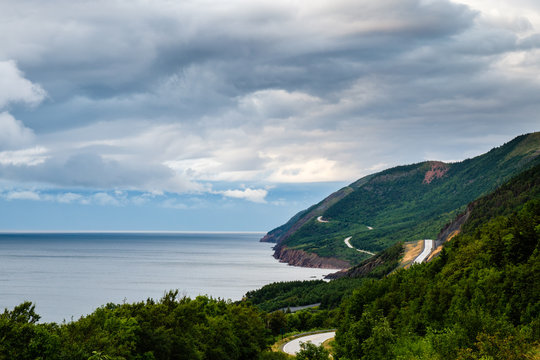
22,338
277,322
96,355
379,344
270,355
309,351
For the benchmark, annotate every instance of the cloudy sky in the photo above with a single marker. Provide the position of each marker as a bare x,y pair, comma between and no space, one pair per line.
208,115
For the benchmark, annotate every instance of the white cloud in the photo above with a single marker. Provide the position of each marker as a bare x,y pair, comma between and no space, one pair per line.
101,198
254,195
28,157
310,170
22,195
15,88
13,133
104,199
516,15
68,198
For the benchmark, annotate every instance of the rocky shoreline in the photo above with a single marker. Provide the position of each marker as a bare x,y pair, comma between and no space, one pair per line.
301,258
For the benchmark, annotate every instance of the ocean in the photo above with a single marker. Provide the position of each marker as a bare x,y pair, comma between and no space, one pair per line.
67,275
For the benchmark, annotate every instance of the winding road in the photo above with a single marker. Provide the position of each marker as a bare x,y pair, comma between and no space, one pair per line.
347,242
293,346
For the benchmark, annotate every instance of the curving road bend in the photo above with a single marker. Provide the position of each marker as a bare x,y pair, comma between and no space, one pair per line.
347,242
293,346
320,219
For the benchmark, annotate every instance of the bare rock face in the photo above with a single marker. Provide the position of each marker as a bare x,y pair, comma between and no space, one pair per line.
301,258
438,170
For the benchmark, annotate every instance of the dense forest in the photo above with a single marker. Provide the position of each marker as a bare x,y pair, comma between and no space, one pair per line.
479,299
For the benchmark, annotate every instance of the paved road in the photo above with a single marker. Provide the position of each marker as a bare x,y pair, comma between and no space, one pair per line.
320,219
293,346
428,246
347,242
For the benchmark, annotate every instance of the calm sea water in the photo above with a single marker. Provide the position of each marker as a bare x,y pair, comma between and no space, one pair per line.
69,275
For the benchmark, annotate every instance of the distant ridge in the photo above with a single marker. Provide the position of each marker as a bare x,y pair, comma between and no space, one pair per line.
404,203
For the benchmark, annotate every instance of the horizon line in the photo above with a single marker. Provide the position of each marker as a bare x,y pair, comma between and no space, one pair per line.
127,232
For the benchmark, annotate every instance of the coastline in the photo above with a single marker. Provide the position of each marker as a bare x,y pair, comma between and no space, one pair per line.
302,258
113,268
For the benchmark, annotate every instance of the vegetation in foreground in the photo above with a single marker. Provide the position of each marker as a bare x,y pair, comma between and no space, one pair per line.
172,328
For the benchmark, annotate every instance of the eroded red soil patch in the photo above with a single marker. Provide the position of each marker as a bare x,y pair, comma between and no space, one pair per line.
438,170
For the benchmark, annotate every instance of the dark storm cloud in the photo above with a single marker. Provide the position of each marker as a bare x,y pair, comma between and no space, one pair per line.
108,49
268,91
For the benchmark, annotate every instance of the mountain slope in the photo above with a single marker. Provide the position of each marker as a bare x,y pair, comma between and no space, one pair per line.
400,204
477,300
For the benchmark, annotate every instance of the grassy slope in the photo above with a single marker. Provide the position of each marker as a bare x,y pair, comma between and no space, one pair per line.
401,207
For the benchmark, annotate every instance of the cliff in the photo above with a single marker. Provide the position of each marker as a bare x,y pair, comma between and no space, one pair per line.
301,258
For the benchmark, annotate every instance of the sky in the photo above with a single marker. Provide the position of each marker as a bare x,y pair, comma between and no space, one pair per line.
199,115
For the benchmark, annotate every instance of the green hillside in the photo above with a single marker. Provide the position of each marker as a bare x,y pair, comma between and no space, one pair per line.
403,203
478,300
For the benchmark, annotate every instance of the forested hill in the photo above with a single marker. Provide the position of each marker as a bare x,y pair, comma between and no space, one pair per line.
400,204
477,300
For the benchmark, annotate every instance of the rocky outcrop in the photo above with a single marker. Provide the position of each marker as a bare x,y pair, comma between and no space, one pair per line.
298,257
437,171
